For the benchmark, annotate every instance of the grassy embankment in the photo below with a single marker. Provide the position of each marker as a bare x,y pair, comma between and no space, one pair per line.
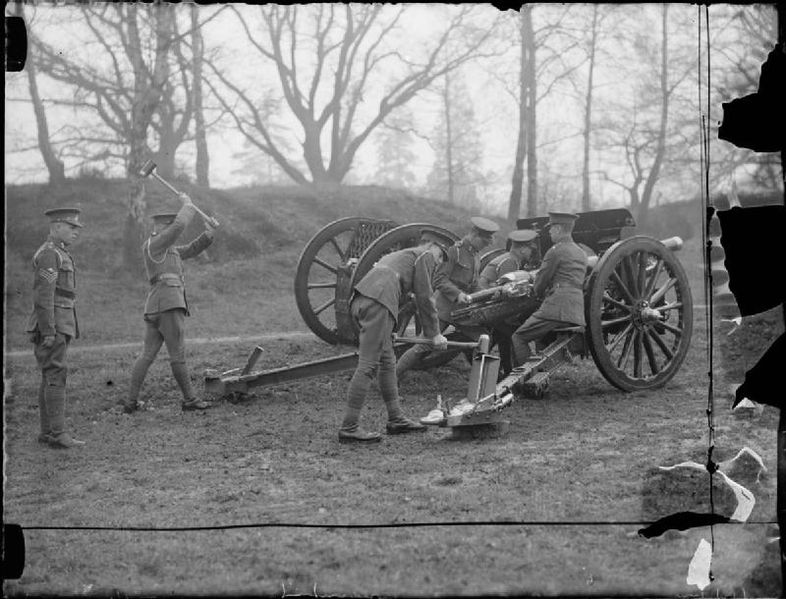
587,453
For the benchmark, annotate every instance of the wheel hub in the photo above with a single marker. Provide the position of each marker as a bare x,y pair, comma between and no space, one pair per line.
643,314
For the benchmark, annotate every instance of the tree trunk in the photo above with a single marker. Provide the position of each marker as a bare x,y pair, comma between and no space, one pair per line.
133,230
54,165
532,95
449,141
660,151
200,136
148,85
586,202
517,184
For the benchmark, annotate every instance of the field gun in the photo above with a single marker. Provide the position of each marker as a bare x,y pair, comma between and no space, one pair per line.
638,309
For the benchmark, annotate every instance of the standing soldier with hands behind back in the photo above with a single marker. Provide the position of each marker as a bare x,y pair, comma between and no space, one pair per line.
53,323
166,306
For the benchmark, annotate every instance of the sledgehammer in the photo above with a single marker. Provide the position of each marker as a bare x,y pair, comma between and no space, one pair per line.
149,168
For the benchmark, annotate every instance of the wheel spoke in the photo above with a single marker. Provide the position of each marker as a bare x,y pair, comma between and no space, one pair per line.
661,344
324,264
669,327
658,295
622,361
339,251
622,286
671,306
608,323
627,269
637,357
619,338
325,306
650,354
321,285
619,304
653,279
642,272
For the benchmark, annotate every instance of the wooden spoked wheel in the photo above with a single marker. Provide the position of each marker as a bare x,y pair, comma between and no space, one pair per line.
324,269
639,313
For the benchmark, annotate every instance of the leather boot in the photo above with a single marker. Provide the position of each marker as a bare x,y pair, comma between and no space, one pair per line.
44,436
357,435
138,373
403,425
180,372
55,404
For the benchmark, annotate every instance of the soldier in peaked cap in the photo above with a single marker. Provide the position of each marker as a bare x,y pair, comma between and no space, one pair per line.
166,306
523,254
375,306
53,323
560,280
454,280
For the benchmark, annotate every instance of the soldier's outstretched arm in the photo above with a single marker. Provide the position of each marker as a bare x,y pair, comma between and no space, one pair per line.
425,265
169,235
196,247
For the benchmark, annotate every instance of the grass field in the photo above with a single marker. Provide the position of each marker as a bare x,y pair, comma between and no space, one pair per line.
585,455
551,508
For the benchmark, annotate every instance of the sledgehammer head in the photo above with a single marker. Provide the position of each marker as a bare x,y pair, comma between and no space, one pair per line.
147,168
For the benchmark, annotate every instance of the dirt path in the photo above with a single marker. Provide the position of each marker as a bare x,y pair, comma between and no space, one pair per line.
197,341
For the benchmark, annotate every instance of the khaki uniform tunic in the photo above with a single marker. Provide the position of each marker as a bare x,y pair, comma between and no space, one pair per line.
165,270
398,274
561,280
54,292
457,274
498,267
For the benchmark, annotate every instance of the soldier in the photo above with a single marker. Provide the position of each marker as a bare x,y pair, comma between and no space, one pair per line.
523,254
561,280
166,306
374,308
454,280
53,322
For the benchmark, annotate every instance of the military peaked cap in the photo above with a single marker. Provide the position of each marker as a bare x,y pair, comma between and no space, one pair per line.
522,235
64,215
164,218
559,218
484,225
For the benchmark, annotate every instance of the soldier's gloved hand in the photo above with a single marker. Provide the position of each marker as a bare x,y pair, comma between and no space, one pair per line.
185,198
440,342
463,298
48,341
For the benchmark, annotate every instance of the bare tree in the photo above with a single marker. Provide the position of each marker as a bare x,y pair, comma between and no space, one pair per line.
200,135
395,156
54,165
536,79
517,182
586,203
650,134
456,141
129,78
347,62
